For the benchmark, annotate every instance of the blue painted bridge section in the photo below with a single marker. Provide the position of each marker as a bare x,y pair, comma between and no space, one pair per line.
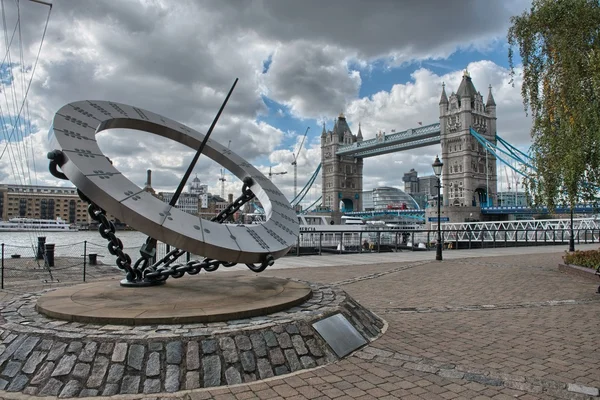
579,209
393,142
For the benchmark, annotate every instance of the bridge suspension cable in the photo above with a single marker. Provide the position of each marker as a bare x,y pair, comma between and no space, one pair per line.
296,200
497,153
312,205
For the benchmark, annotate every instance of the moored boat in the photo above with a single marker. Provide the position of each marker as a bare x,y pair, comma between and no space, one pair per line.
20,224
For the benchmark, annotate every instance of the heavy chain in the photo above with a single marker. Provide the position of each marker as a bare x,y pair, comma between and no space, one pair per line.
107,230
166,267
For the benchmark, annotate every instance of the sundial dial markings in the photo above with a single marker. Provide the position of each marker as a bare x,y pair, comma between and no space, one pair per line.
85,113
75,135
275,235
84,153
166,214
234,238
78,122
117,108
103,174
188,232
140,113
132,195
283,227
99,108
257,238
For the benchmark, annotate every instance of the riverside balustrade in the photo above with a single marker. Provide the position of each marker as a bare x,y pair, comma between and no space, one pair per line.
30,266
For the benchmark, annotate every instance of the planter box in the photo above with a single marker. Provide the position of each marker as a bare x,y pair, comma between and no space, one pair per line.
588,273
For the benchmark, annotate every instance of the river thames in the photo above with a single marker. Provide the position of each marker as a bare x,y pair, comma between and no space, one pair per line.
71,243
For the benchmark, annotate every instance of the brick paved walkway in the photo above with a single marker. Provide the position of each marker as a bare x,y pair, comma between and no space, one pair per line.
501,327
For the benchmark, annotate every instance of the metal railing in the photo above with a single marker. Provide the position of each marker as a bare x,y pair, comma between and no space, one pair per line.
81,261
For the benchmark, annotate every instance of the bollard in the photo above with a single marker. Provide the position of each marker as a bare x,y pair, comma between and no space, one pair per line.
84,253
40,248
93,258
49,254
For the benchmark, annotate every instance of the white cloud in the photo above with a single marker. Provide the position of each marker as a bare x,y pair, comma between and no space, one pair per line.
179,60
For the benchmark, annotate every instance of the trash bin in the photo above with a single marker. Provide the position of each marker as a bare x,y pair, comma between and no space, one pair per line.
40,248
93,258
49,254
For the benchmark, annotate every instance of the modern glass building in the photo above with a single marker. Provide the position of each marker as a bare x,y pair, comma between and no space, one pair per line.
386,197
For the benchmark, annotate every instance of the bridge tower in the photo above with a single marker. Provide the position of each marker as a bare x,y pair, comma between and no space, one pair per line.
469,172
341,176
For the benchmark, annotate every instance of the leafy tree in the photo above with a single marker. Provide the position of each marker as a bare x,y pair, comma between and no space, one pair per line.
559,45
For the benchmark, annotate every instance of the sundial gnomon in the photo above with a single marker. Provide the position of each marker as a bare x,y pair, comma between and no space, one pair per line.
108,191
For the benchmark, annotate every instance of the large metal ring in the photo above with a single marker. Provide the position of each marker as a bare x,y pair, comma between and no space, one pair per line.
74,132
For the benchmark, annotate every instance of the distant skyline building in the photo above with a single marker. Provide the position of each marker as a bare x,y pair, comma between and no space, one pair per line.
192,201
420,188
386,197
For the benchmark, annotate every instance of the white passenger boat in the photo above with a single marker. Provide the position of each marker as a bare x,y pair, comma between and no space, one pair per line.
20,224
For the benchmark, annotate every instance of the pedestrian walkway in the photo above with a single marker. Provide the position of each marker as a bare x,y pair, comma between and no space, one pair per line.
482,324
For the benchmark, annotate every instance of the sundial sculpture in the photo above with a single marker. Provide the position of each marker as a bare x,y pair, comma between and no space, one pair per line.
73,135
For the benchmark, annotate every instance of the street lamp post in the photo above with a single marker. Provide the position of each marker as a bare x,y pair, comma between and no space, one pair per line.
572,237
437,169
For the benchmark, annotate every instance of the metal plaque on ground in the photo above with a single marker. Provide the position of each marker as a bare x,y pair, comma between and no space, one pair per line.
339,334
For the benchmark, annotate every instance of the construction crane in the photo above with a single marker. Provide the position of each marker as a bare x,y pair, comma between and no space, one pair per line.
295,163
222,179
276,173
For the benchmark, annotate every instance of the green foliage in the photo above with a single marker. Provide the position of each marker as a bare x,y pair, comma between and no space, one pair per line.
559,44
588,258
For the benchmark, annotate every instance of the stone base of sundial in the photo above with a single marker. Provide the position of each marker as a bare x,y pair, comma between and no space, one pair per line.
267,327
209,299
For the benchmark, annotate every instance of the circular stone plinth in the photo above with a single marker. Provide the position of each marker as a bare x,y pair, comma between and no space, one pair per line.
210,299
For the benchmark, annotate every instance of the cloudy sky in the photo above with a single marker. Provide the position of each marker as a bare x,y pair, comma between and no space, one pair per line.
300,63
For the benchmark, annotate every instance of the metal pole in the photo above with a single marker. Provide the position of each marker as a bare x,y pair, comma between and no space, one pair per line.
84,257
2,272
572,239
487,179
438,252
151,242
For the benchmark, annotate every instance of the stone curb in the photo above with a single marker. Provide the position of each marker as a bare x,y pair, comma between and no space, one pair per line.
587,273
489,307
533,385
44,357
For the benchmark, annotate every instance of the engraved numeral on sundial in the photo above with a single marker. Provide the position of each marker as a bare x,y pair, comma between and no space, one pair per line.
77,121
167,214
280,204
287,218
101,109
104,175
83,112
258,239
84,153
134,198
140,113
118,109
283,227
276,236
75,135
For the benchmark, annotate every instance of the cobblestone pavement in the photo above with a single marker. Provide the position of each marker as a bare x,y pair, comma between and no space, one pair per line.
470,327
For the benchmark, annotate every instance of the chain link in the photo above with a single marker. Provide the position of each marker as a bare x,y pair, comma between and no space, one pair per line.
166,267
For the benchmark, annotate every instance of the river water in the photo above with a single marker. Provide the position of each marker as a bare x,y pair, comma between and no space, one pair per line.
71,243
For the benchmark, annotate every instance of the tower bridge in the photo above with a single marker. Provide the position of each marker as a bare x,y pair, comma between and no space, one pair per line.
469,171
